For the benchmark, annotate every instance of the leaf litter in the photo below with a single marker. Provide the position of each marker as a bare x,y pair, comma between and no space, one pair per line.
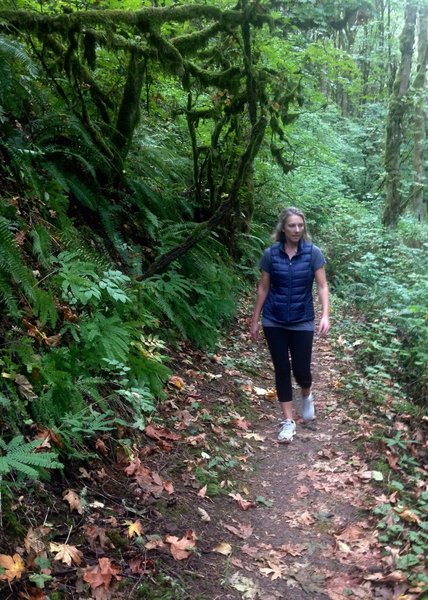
177,502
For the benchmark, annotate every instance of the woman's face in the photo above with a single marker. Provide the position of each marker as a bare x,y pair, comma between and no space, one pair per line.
294,227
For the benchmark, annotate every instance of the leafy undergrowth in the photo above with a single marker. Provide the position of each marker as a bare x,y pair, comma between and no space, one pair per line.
206,504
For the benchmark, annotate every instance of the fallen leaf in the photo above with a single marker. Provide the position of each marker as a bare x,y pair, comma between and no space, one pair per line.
409,516
161,433
244,504
67,554
154,542
248,587
100,577
14,566
260,391
74,501
393,577
35,539
223,548
182,548
242,531
177,382
135,528
97,538
203,491
25,389
204,515
370,475
274,570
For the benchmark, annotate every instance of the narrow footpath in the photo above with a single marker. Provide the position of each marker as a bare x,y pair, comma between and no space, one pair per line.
298,527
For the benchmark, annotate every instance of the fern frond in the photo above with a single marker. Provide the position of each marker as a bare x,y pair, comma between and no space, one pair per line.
44,307
11,262
41,244
20,456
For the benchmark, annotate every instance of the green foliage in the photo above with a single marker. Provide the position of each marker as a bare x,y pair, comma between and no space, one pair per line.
81,283
19,456
12,269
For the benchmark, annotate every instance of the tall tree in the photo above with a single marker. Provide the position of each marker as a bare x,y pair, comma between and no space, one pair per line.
419,177
398,105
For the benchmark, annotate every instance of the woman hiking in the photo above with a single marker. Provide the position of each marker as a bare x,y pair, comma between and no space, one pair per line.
284,298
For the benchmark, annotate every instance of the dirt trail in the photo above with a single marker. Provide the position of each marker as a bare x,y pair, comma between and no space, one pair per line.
307,534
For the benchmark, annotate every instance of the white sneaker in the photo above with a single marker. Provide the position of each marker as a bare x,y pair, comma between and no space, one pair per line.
308,409
287,431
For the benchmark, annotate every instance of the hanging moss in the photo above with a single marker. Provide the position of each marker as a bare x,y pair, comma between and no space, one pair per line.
230,79
89,49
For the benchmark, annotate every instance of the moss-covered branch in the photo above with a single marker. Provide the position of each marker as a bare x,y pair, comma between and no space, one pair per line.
143,19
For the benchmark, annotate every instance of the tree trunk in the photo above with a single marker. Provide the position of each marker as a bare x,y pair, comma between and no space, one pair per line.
394,202
419,206
223,211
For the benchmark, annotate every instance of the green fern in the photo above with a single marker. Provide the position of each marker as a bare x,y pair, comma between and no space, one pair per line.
42,245
7,296
44,307
20,456
105,337
11,263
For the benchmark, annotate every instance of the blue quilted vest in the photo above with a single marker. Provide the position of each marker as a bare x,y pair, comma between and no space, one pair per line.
290,296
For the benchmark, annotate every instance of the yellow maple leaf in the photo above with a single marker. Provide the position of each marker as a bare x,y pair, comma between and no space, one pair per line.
13,567
67,554
135,528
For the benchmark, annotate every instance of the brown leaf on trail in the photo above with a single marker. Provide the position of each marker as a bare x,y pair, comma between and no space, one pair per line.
204,515
302,491
135,528
203,491
100,445
242,531
244,504
74,501
67,554
25,389
294,549
177,382
182,548
14,566
35,539
197,440
274,570
97,538
161,433
154,542
100,577
48,436
249,550
392,460
304,518
168,486
409,516
394,577
20,238
351,533
241,423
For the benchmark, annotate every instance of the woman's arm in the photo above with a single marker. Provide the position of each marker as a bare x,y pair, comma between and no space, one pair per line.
262,292
323,295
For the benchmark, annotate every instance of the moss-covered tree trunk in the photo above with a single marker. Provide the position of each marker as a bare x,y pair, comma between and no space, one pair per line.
419,176
398,106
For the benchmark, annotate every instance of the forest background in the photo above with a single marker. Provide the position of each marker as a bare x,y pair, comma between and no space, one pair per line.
146,150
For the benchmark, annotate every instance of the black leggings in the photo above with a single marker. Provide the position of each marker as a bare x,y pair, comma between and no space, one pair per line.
299,345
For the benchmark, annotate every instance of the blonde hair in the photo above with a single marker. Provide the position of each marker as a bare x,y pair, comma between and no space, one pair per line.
278,234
